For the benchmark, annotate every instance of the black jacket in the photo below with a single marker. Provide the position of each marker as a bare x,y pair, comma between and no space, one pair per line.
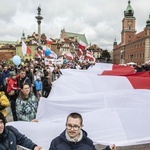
61,143
21,81
11,137
46,84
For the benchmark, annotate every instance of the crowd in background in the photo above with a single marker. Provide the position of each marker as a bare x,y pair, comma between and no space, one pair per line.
21,87
142,68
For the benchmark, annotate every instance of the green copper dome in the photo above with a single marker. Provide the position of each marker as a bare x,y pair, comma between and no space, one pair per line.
129,12
148,22
23,35
115,42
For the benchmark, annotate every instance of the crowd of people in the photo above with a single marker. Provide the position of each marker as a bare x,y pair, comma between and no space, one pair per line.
35,74
21,88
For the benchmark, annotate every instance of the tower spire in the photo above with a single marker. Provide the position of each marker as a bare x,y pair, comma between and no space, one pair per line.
148,22
129,12
115,41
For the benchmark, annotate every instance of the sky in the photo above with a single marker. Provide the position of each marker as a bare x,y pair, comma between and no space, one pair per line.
99,20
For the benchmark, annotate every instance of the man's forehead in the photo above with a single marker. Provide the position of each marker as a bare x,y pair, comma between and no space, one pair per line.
73,120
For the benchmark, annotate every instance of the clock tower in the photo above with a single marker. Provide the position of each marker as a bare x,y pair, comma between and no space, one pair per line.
128,24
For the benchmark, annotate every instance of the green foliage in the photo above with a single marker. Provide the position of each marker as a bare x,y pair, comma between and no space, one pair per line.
105,54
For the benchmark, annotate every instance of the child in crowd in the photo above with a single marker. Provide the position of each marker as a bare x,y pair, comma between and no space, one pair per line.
12,92
11,83
38,87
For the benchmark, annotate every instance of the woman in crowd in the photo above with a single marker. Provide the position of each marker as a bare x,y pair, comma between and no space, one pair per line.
26,104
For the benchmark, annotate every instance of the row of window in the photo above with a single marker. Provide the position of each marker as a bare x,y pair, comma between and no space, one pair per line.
136,45
136,56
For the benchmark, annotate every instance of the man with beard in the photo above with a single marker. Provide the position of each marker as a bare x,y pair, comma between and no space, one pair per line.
74,137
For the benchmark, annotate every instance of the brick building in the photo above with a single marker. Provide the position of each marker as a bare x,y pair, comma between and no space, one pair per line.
134,47
7,50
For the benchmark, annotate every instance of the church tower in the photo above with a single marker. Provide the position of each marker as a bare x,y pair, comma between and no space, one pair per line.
115,43
147,40
147,28
128,24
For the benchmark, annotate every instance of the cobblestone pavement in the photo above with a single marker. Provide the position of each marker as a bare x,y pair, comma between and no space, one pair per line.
98,147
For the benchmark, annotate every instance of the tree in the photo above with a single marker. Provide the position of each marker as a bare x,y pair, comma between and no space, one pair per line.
105,55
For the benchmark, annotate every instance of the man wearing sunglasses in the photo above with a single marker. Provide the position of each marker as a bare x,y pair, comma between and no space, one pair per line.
74,137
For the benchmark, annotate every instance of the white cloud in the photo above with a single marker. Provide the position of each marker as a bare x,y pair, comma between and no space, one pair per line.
99,20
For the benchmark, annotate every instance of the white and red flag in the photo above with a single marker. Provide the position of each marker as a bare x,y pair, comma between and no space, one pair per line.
41,52
25,49
119,110
89,55
48,41
68,55
82,45
80,52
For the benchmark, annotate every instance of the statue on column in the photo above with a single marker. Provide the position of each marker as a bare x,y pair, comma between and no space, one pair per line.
39,10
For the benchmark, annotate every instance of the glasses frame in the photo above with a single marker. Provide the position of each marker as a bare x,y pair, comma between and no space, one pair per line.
75,127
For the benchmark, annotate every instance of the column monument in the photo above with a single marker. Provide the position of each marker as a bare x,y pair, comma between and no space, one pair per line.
39,18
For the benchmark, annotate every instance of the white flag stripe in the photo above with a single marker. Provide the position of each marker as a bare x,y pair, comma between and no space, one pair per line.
24,48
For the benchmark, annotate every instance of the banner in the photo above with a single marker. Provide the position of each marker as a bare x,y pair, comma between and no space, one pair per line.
53,61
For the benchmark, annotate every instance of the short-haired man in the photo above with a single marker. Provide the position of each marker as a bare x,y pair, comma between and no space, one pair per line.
22,78
10,137
74,137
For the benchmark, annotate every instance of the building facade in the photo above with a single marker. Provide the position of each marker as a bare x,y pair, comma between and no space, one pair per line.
96,51
134,47
7,50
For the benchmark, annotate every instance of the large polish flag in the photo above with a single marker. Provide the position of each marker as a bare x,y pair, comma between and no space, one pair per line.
82,45
114,109
139,80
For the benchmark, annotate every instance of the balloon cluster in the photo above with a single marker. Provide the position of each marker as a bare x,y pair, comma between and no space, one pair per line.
16,60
